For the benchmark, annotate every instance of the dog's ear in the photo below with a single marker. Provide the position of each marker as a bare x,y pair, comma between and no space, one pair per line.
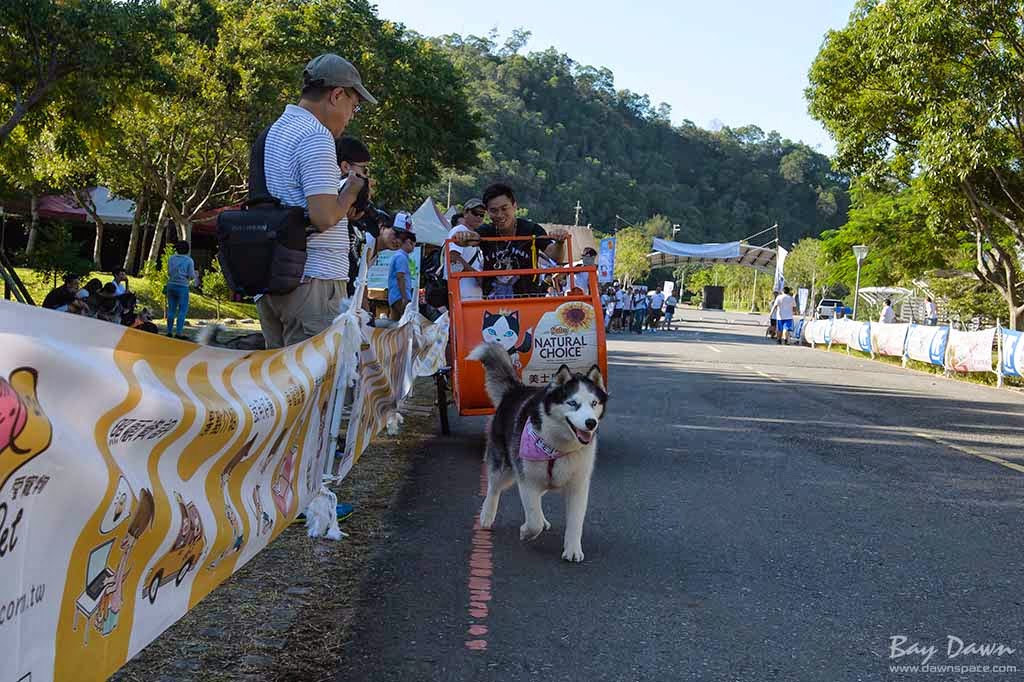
563,376
595,376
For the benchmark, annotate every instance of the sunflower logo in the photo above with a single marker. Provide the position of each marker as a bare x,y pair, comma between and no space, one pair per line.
576,316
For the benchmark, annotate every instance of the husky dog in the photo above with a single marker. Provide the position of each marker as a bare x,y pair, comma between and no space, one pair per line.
542,439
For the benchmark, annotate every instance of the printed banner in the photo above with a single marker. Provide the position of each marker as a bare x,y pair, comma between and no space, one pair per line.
378,277
137,473
606,261
1013,352
889,339
860,337
817,331
971,351
844,332
388,365
927,344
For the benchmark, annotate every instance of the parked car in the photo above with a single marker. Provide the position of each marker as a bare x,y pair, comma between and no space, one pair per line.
831,307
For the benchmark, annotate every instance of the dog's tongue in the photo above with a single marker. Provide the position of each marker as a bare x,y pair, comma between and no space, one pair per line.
584,436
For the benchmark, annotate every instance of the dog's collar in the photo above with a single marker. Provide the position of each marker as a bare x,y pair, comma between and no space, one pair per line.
534,448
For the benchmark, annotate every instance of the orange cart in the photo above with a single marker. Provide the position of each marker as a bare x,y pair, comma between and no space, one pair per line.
541,333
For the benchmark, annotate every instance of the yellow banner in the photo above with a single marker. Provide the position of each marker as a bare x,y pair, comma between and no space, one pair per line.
138,472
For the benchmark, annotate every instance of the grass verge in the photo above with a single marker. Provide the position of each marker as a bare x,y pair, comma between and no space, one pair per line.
200,307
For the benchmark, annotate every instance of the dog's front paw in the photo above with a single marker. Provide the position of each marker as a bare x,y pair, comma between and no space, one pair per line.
573,554
527,532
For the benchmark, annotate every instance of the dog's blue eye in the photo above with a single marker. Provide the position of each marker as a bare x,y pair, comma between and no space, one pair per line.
573,404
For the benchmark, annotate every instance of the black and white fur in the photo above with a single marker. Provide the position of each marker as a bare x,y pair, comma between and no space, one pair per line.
566,414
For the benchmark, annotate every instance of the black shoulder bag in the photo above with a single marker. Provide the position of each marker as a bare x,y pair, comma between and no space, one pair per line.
263,243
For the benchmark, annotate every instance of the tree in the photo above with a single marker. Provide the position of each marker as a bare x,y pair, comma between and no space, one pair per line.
548,119
631,249
925,92
215,286
74,56
807,265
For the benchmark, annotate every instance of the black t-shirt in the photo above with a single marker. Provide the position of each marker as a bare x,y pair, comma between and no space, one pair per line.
512,255
58,297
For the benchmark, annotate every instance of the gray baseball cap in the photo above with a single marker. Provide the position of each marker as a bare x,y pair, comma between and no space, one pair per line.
471,204
331,71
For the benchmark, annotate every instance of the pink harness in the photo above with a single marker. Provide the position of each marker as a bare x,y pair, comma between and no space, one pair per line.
533,448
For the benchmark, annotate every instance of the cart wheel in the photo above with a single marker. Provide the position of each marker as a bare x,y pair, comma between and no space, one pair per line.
442,400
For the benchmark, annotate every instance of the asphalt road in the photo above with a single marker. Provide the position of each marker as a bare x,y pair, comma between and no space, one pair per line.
757,513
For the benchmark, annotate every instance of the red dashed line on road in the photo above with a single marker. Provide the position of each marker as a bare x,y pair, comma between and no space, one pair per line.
481,569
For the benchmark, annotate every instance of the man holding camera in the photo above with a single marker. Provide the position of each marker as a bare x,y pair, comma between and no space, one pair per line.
302,169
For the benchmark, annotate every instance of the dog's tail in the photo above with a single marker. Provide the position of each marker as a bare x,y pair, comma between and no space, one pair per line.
501,376
208,335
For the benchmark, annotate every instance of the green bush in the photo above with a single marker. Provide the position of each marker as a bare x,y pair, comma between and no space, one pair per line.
215,286
56,256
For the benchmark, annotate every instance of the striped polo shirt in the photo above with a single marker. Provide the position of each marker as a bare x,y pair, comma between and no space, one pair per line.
301,161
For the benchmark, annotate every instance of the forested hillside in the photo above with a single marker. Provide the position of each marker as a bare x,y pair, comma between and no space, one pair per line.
561,132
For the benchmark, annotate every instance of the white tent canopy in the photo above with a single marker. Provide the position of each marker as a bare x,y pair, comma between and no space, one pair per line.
875,295
668,254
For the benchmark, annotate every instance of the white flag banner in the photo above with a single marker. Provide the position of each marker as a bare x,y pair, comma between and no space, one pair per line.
780,264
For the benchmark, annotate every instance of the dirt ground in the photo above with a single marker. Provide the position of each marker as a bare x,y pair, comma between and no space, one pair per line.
286,614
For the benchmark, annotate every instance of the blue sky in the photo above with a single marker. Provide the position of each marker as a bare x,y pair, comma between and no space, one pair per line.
735,61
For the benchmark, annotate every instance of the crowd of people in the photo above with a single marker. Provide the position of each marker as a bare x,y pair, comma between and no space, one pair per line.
112,301
635,309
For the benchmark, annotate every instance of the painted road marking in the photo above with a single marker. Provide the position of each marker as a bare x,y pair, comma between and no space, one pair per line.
974,453
764,374
712,348
481,569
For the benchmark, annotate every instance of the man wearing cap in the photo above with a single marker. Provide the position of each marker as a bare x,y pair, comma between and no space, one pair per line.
464,254
302,169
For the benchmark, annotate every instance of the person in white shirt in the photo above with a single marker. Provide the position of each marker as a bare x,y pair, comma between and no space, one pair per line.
888,315
782,311
581,280
620,300
670,310
654,315
467,255
931,313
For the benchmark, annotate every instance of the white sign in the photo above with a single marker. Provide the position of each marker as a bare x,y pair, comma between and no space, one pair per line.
378,276
669,287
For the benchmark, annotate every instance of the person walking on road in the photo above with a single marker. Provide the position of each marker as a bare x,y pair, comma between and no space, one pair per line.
670,310
782,310
654,315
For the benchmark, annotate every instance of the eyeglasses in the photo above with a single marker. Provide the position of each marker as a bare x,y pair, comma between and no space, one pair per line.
478,214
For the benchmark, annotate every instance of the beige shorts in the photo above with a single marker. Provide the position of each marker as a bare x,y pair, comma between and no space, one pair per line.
301,314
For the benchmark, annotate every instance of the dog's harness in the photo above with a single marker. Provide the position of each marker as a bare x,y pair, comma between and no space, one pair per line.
535,449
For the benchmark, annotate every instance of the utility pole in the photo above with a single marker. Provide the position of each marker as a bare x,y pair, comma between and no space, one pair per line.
449,191
579,208
675,229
